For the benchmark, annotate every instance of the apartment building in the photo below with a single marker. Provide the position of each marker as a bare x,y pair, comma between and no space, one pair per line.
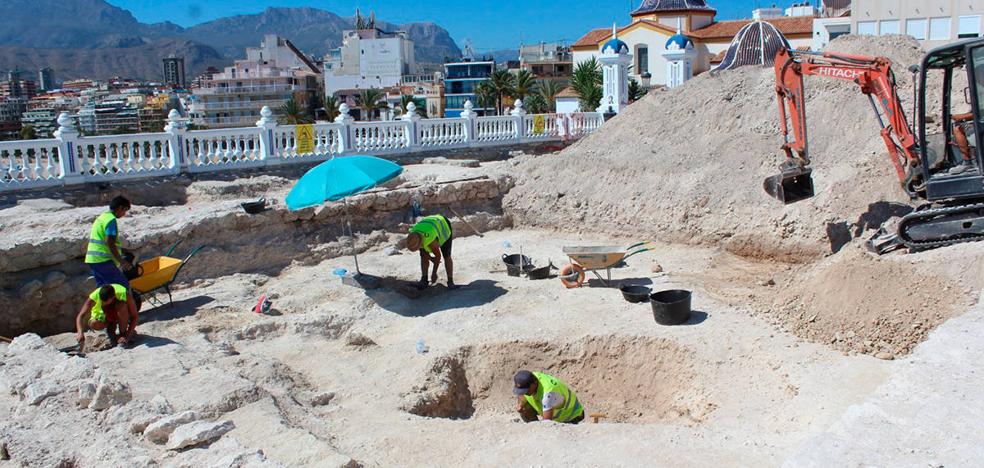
932,22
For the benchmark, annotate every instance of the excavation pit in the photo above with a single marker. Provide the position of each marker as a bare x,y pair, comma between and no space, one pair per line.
635,380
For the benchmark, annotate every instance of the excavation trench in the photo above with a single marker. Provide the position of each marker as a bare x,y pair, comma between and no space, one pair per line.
633,380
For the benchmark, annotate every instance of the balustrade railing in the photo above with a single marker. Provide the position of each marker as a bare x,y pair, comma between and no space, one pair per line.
70,159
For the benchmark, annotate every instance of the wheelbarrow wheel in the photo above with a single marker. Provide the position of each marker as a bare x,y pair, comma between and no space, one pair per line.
572,275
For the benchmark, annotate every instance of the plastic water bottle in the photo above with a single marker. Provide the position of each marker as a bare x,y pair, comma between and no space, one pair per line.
421,349
506,244
339,272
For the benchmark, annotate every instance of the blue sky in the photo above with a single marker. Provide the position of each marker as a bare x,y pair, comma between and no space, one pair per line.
489,24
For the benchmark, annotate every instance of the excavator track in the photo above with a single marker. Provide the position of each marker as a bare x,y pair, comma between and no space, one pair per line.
939,227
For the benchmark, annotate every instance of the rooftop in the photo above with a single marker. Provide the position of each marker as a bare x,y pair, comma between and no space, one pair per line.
652,6
728,29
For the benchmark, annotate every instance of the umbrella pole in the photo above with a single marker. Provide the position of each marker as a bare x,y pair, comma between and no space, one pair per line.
348,221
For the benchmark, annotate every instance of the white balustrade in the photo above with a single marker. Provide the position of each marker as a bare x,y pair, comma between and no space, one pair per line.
442,132
29,164
123,156
379,137
70,158
495,129
210,150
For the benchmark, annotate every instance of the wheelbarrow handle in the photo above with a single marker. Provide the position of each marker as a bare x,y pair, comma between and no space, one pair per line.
638,245
171,250
636,252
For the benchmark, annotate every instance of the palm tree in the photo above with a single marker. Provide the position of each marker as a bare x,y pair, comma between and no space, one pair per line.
419,102
536,104
363,23
293,113
549,90
485,95
525,84
636,92
370,100
331,108
504,84
28,132
586,82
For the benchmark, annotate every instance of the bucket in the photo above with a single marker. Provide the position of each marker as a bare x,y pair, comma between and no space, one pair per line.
513,264
635,293
671,307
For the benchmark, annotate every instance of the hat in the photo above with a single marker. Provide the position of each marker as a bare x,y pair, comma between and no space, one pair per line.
522,381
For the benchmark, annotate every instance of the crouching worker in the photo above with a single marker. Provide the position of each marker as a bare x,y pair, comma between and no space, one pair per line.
111,308
545,396
432,237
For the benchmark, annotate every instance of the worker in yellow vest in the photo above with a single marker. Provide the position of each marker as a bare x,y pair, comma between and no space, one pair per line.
104,253
544,395
109,308
432,237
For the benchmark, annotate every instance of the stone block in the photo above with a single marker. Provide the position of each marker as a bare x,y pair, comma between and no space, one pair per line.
109,394
159,431
192,434
35,393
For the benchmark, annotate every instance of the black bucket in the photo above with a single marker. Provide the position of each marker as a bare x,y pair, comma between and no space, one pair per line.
635,293
791,185
671,307
513,264
254,207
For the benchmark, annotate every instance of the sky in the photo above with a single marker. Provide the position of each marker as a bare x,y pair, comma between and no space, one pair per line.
489,25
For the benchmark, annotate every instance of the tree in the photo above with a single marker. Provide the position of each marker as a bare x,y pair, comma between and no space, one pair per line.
293,113
419,102
364,23
331,108
370,100
536,104
504,84
485,95
636,91
525,84
28,132
549,89
586,82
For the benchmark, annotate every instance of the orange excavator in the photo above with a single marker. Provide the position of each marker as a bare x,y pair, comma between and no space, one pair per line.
952,208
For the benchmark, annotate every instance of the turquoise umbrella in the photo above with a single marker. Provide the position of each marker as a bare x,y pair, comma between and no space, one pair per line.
337,178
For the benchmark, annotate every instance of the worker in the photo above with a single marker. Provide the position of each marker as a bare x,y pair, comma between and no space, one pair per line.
104,254
544,395
432,237
110,308
965,129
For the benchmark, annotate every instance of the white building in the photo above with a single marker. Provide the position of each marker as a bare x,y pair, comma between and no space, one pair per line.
369,58
933,22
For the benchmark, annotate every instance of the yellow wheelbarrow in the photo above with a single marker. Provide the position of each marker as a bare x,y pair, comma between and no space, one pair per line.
158,273
594,258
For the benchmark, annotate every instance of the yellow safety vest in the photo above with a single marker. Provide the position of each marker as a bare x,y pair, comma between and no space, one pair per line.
547,383
97,314
98,250
431,228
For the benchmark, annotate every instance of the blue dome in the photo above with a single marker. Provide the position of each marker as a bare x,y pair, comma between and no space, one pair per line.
680,40
617,45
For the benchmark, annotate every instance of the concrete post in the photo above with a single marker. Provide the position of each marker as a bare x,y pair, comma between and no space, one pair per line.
267,124
343,133
69,163
519,114
175,129
469,115
411,118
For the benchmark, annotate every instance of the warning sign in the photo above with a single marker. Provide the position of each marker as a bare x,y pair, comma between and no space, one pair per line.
539,123
305,139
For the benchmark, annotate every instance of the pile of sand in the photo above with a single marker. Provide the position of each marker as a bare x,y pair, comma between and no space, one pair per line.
687,165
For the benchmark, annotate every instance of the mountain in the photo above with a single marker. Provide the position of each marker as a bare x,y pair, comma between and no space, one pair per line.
91,38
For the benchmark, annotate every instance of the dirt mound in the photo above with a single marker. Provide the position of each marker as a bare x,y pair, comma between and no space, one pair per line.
686,165
629,379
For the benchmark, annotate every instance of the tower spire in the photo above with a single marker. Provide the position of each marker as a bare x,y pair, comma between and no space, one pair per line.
614,31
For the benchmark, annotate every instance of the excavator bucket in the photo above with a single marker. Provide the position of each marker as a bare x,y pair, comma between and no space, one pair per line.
791,185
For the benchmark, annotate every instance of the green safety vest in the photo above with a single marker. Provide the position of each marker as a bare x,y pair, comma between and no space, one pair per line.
98,250
431,228
547,383
97,314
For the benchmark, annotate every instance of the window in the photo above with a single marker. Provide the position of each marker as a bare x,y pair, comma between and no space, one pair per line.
642,56
939,29
916,28
867,27
969,26
889,27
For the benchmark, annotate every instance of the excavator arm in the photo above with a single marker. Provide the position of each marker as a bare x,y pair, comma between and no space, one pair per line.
877,81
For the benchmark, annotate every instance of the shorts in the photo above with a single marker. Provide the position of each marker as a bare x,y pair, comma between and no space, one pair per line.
108,273
446,246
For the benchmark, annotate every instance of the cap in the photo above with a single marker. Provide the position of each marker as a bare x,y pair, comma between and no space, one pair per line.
522,381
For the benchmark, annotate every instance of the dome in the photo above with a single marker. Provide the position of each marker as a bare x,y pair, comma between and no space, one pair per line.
755,44
678,41
616,45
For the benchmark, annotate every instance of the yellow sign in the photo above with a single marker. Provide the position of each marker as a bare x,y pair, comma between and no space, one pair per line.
539,123
305,139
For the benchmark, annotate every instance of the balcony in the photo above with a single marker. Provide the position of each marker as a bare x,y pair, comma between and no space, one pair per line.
246,89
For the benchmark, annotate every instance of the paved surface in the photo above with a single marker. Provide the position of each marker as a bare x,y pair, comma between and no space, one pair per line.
930,413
